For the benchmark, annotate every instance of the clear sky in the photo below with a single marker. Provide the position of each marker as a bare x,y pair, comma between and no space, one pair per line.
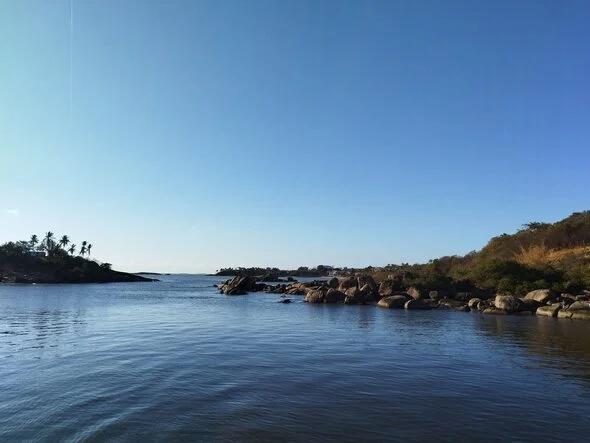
189,135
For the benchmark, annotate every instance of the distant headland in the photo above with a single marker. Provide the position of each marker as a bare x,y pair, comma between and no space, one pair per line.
544,268
49,260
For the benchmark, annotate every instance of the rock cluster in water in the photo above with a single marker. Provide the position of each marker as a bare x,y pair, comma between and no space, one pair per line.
362,289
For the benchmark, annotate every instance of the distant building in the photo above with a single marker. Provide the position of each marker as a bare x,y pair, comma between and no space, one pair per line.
37,253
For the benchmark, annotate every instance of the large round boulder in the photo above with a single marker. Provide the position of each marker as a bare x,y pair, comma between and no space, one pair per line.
508,303
393,302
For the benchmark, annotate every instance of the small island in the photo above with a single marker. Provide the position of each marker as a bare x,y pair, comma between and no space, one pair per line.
56,261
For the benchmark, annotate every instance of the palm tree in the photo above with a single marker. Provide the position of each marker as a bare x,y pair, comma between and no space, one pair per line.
72,249
83,248
34,240
64,241
88,248
48,242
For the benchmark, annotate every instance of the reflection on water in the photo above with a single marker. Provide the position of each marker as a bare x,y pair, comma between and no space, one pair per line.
176,361
560,343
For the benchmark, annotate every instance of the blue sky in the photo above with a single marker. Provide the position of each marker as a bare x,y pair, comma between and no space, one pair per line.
187,135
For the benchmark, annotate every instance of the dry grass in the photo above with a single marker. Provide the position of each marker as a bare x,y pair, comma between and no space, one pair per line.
540,255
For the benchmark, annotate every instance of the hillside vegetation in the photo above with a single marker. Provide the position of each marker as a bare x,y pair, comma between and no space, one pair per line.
540,255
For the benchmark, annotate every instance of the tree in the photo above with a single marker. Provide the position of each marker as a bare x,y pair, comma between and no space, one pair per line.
72,249
88,248
48,242
83,249
64,241
34,240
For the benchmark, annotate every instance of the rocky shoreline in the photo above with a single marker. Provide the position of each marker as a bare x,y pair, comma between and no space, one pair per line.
363,289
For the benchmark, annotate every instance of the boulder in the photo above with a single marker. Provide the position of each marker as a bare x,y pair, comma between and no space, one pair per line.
238,285
386,289
418,304
285,300
365,279
579,306
368,293
346,283
473,302
316,296
540,295
484,304
333,283
564,313
549,310
508,303
334,296
393,302
353,296
415,293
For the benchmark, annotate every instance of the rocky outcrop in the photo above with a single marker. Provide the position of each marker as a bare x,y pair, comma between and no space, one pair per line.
393,302
238,285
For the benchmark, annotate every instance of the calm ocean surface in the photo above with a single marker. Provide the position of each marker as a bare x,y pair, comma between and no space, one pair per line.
176,361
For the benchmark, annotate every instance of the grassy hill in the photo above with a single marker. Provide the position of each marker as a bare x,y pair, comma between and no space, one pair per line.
540,255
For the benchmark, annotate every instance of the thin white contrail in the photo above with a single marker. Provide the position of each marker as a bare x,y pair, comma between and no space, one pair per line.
71,59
